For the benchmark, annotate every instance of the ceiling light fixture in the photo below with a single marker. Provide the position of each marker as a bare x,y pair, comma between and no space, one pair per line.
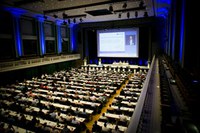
110,8
64,22
128,15
146,14
81,20
64,15
124,5
68,21
141,4
45,17
55,16
119,16
136,14
74,20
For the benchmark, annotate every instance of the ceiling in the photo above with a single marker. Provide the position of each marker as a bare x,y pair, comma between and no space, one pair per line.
84,10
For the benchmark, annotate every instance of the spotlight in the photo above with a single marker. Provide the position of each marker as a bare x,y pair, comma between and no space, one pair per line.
141,4
55,16
146,14
81,20
68,21
45,17
120,15
128,15
136,14
74,20
110,8
124,5
64,15
64,22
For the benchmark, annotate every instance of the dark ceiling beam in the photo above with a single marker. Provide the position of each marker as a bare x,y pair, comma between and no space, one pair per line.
23,2
76,16
87,5
130,9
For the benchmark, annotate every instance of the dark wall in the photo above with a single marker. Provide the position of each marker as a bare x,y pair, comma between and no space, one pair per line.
147,37
191,53
11,76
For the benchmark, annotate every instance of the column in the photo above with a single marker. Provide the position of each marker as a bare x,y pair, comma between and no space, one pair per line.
182,35
72,39
17,35
41,36
59,38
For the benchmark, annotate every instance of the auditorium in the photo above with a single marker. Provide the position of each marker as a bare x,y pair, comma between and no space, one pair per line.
99,66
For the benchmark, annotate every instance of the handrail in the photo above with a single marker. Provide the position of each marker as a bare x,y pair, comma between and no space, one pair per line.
21,64
135,119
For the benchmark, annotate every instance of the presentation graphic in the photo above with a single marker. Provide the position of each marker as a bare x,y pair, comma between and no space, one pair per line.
118,42
130,39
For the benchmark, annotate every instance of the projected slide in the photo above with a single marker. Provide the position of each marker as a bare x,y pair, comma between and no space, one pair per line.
114,40
118,42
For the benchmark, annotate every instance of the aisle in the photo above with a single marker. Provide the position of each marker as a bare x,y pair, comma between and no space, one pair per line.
104,109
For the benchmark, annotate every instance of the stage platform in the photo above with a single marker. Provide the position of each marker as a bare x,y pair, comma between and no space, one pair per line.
116,67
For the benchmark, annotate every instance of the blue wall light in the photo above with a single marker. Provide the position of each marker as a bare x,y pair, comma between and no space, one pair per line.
59,38
163,12
17,35
41,34
140,62
16,13
73,36
182,33
164,1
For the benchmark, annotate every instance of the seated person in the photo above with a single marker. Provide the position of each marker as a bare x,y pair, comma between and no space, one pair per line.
65,129
96,127
74,121
105,129
10,129
116,130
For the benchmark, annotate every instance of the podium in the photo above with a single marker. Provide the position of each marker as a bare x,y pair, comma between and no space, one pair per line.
85,62
99,62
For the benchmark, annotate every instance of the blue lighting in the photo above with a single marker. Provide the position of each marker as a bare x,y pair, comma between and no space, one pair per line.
40,18
163,12
15,11
173,35
96,61
182,32
164,1
140,62
42,37
59,38
195,81
73,36
18,36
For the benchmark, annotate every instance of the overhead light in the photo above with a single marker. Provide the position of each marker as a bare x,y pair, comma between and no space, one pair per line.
64,22
74,20
68,21
136,14
64,15
110,8
55,16
81,20
119,16
141,4
146,14
128,15
124,5
45,17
